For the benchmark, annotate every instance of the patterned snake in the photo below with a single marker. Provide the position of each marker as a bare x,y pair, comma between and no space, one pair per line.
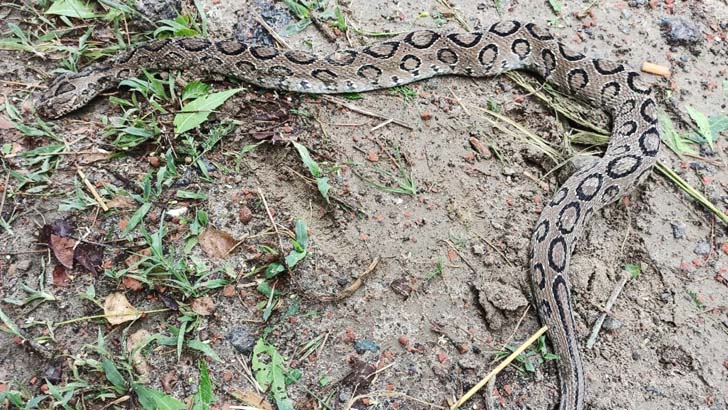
505,46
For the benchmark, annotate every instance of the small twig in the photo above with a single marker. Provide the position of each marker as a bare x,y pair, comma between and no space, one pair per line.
323,28
272,221
498,251
451,245
543,185
518,324
381,125
499,368
2,201
272,32
365,112
91,188
353,287
610,302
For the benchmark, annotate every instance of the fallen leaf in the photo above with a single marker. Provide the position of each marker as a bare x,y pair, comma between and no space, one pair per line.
118,309
92,157
89,256
137,359
60,276
121,202
59,227
216,243
251,398
62,247
168,381
133,260
203,306
131,284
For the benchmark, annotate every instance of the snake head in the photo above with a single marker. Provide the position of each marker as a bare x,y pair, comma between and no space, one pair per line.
71,91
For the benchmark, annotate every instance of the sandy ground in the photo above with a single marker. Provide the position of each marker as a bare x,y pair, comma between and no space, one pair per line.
450,288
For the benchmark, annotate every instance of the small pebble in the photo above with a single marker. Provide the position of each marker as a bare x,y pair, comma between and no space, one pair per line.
680,31
23,265
242,340
344,396
702,248
365,345
636,355
678,230
611,324
478,249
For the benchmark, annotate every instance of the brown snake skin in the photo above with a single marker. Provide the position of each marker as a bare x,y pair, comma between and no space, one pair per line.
508,45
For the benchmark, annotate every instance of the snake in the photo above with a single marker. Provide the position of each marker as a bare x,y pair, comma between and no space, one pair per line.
418,55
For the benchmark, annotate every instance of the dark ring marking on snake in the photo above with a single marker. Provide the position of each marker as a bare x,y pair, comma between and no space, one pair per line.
558,244
539,234
382,50
422,39
632,79
567,226
496,29
607,67
532,29
300,57
567,54
589,187
487,55
518,48
231,47
622,166
465,40
447,56
264,52
342,58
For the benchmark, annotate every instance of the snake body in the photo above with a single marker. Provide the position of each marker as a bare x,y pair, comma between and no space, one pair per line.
504,46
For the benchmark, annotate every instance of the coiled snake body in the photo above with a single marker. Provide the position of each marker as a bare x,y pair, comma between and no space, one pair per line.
505,46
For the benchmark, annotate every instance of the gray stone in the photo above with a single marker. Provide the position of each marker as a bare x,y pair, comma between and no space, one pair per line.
678,230
680,31
702,248
242,340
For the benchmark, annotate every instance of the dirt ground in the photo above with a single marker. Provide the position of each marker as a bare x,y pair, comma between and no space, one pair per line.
450,288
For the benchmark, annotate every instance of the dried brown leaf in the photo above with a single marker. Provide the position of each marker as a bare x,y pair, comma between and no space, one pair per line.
203,306
216,243
62,247
118,309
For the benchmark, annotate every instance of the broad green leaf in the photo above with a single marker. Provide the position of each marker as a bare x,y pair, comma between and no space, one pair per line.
271,373
191,195
204,397
302,233
71,8
151,399
556,5
136,218
633,269
294,257
274,269
672,139
196,111
703,126
324,187
312,165
11,327
195,89
299,10
113,375
200,346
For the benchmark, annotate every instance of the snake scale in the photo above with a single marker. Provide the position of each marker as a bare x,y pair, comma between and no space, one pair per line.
504,46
